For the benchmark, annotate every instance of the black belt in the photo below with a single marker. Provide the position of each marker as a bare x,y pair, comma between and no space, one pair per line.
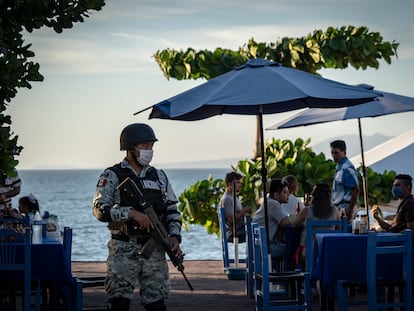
342,202
126,238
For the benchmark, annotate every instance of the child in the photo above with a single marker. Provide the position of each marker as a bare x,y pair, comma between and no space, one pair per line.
28,205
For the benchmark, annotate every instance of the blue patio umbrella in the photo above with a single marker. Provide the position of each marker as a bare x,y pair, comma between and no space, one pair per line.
389,103
259,87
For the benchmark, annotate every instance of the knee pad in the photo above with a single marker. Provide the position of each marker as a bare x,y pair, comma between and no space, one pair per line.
156,306
118,304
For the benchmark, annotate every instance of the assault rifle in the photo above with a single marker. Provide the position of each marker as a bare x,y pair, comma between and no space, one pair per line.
158,234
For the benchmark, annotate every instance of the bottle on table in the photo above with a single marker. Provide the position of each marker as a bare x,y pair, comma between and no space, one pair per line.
356,225
37,228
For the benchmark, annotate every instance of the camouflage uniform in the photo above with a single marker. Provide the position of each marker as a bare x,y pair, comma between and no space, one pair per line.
124,266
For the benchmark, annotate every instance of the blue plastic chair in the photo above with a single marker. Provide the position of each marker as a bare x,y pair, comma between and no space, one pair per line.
289,296
227,260
313,227
11,259
380,244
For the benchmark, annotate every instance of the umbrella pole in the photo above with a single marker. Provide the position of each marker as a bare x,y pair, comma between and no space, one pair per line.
264,178
363,172
235,236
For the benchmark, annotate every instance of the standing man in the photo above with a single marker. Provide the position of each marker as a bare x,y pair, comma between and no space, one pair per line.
234,183
130,226
10,189
277,216
404,218
345,189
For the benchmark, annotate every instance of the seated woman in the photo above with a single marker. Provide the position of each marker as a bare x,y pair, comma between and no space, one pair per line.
320,209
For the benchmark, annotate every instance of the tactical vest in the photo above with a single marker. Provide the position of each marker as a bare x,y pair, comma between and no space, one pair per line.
153,191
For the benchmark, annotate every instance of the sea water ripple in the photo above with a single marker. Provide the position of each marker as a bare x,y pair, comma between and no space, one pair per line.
69,193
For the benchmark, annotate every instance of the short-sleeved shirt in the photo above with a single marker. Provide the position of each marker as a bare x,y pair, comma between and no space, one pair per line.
405,214
275,214
291,207
226,202
345,180
9,184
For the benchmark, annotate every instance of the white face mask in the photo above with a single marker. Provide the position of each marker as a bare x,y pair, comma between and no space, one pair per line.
145,156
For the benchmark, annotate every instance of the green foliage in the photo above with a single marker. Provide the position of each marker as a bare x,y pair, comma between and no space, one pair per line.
379,186
17,71
198,204
334,48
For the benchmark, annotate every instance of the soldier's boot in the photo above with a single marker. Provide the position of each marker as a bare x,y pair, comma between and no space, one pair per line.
118,304
156,306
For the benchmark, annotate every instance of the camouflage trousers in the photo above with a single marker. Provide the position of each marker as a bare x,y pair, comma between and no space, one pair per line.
126,270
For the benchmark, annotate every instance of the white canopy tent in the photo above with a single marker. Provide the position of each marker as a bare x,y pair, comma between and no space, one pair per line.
396,154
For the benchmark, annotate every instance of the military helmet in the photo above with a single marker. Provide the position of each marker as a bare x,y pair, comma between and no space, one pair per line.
136,133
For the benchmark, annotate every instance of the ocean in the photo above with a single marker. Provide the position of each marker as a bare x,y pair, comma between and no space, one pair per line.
69,193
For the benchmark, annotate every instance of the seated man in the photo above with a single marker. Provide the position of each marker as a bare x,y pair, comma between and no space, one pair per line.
404,218
234,182
278,219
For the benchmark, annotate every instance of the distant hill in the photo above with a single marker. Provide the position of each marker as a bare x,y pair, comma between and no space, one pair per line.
217,163
400,162
395,154
353,148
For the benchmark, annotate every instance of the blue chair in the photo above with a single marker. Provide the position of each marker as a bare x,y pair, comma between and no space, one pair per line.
77,299
227,260
289,296
67,242
80,282
320,226
380,244
250,256
11,259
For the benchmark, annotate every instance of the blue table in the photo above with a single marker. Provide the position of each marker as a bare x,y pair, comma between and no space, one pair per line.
342,256
50,266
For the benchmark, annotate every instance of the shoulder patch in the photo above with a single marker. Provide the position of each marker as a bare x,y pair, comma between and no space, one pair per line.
102,181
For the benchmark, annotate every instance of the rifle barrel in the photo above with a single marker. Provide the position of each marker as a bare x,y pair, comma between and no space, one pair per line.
186,280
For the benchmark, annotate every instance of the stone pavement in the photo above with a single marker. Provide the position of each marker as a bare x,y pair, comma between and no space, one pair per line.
212,289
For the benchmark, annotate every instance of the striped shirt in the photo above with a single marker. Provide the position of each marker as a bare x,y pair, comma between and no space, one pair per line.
9,185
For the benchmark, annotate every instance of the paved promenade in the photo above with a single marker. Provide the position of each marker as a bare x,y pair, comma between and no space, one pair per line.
212,290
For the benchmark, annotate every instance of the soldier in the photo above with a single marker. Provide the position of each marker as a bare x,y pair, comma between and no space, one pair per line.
130,226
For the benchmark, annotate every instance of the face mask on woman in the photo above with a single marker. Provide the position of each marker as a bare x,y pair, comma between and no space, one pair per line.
145,156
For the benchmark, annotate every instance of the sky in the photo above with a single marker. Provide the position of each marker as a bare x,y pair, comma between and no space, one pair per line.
102,71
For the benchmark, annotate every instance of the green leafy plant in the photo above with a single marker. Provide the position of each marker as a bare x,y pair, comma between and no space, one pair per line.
16,68
199,203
